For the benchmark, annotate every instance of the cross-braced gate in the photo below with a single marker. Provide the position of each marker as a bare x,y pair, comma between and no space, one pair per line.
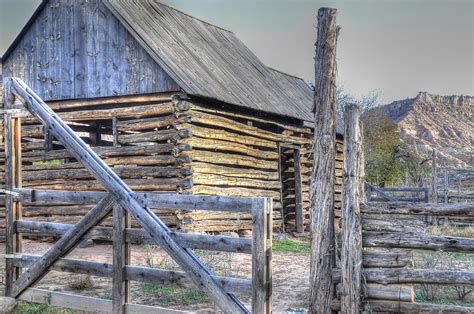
120,199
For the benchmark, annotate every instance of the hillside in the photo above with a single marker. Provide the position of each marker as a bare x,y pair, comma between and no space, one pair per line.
431,121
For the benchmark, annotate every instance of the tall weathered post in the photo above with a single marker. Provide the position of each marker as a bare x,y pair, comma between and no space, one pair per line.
351,251
434,178
323,173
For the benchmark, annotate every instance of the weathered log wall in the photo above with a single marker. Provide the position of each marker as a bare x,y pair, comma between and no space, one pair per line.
236,154
142,146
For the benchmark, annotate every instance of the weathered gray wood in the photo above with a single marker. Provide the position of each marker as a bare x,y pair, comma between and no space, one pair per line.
151,200
434,178
403,189
382,193
88,304
121,258
445,186
48,140
140,236
298,192
408,307
134,273
13,179
392,292
126,198
351,251
261,256
396,259
398,208
413,276
418,241
115,132
323,172
67,242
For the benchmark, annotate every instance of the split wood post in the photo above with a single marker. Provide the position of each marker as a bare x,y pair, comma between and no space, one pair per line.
121,258
115,132
361,164
323,172
262,227
445,186
48,140
13,180
351,251
298,192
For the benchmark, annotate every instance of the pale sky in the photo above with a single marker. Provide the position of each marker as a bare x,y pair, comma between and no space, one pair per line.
397,47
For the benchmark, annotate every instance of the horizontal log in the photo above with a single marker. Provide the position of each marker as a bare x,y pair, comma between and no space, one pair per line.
220,134
171,135
123,172
115,100
232,159
150,184
86,304
150,200
401,293
404,189
140,236
225,146
457,209
412,276
229,171
393,225
218,180
399,199
399,258
108,152
152,123
232,191
408,307
122,112
135,273
418,242
458,196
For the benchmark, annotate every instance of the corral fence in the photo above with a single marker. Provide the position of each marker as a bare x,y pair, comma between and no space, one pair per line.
24,270
377,242
396,194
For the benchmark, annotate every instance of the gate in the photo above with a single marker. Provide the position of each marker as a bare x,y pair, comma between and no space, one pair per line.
123,203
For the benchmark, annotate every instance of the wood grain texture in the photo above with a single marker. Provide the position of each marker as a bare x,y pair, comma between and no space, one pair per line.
323,173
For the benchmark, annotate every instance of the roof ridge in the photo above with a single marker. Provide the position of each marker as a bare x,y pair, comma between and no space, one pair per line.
191,16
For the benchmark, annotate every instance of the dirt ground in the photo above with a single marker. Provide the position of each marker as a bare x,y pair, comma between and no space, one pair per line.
290,276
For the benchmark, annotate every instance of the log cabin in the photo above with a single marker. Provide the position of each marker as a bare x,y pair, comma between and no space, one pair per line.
172,103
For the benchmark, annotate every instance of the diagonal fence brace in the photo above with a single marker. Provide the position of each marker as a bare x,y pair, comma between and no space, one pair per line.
126,198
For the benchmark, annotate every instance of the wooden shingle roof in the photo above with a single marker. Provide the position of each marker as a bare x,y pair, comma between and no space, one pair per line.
208,61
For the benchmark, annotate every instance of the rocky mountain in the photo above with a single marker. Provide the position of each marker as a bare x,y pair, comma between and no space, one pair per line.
431,121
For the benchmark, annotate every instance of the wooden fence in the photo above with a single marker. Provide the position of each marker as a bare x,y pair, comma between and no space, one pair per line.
377,241
124,204
396,194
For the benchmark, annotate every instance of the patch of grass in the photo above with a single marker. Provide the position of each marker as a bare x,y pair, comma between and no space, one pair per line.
173,294
291,246
34,308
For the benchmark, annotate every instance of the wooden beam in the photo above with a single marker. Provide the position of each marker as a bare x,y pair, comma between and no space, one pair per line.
400,208
323,172
126,198
148,199
13,179
434,178
121,258
140,236
261,256
65,244
135,273
408,307
298,192
351,251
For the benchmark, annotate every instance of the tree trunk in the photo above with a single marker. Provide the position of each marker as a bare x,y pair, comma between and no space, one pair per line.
323,174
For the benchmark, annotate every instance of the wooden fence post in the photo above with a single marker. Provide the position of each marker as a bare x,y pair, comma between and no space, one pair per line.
445,186
13,180
121,258
298,193
323,172
434,178
262,213
351,251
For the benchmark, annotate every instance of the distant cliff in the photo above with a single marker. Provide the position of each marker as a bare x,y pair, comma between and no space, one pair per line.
431,121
